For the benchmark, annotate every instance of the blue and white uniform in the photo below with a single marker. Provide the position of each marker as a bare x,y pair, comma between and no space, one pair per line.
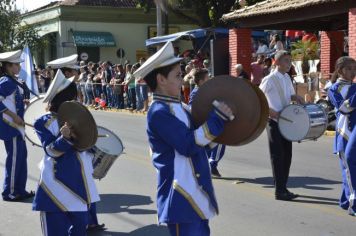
66,187
214,151
185,196
342,95
11,98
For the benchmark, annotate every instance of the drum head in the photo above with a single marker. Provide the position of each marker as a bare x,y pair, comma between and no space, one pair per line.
294,123
247,102
111,144
33,111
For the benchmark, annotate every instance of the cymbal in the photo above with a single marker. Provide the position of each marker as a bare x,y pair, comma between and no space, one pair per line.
82,122
247,102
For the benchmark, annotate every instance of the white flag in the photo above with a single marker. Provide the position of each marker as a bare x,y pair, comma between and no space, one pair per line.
27,72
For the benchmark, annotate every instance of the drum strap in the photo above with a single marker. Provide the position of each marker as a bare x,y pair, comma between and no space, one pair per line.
280,91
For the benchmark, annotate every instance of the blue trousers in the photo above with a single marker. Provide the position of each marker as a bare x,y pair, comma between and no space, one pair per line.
200,228
132,98
139,104
64,223
216,154
15,167
92,218
348,160
109,96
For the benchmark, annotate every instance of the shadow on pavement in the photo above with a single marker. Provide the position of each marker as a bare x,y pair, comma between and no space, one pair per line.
148,230
317,200
307,182
116,203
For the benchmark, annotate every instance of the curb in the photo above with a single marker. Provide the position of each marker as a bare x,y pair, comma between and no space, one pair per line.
329,133
119,111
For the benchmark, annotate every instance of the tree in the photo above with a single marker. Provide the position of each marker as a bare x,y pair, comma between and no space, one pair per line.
206,13
16,34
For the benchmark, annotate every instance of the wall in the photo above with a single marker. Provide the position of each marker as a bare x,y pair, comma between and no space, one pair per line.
352,33
129,36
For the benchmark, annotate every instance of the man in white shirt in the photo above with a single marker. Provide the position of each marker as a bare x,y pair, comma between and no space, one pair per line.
279,91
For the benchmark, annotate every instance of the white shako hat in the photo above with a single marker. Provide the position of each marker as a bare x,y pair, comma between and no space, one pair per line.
57,85
12,57
68,62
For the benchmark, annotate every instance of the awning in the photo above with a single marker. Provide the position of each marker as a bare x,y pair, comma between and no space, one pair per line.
196,34
191,34
93,39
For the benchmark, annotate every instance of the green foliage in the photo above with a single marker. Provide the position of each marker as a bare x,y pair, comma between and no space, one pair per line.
16,35
206,13
304,50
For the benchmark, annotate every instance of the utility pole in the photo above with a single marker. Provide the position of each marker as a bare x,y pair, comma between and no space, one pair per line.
159,20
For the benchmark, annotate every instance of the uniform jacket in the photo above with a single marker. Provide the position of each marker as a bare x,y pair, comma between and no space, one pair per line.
66,182
342,95
185,191
11,98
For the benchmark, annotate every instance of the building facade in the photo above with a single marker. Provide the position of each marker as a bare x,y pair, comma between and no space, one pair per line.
96,30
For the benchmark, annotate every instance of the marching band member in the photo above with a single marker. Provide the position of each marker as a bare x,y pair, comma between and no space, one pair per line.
342,95
12,128
69,66
214,151
66,187
279,91
185,197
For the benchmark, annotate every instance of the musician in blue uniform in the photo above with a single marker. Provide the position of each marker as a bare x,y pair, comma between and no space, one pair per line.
64,191
12,128
70,68
185,196
214,151
342,95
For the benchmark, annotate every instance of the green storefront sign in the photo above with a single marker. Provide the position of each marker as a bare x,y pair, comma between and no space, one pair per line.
93,39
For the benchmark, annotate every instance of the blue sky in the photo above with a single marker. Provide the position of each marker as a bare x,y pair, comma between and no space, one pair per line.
28,5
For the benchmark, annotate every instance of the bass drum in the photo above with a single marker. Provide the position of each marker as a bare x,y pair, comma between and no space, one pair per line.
34,110
247,102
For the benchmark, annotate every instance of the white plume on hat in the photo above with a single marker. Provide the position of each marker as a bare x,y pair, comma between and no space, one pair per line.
68,62
163,57
12,57
58,84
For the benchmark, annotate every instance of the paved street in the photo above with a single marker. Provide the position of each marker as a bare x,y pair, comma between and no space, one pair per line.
245,195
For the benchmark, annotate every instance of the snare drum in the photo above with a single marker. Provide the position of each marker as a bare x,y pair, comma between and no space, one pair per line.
106,150
302,122
33,111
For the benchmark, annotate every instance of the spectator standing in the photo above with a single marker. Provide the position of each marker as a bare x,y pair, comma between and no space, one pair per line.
257,70
267,66
89,89
82,80
262,47
130,83
240,73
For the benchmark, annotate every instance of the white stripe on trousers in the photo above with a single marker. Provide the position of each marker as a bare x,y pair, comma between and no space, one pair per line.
43,223
217,155
13,166
348,179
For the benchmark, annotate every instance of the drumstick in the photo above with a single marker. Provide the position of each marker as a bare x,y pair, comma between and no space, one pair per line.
216,104
29,125
286,119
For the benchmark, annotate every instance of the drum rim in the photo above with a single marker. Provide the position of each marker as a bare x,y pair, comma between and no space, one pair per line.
122,145
32,100
303,106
